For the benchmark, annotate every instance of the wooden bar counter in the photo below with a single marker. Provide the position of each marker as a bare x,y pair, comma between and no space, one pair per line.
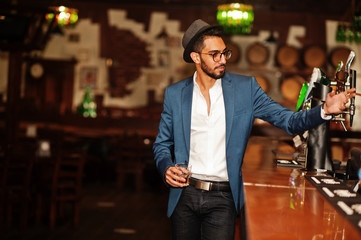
282,204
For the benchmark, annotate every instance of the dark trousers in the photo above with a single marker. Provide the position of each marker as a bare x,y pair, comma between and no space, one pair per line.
204,215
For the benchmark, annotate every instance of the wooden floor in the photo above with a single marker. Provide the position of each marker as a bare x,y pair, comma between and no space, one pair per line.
107,213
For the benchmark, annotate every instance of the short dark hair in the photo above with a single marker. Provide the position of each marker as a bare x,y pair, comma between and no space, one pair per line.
213,32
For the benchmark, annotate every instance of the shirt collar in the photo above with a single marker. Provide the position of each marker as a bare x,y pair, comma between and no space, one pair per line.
216,85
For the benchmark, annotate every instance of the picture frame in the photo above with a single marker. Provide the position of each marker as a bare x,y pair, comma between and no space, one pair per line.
88,77
163,58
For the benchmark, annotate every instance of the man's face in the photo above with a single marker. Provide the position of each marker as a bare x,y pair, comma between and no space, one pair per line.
213,67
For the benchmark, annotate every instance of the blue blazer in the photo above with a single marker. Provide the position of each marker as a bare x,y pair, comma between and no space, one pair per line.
244,101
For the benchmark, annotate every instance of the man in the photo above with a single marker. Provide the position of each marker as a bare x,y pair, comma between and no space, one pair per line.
206,121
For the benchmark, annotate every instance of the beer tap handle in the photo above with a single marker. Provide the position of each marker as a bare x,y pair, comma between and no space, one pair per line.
352,100
338,69
350,58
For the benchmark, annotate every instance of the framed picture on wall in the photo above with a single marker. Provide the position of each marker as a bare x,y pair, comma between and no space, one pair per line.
163,58
88,77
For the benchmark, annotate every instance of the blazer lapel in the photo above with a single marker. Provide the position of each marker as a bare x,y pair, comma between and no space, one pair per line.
228,95
187,95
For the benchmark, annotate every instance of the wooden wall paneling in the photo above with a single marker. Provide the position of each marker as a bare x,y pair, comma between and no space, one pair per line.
13,96
60,85
316,29
52,93
33,89
68,87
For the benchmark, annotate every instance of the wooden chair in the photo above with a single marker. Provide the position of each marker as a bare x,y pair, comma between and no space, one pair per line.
128,156
66,185
2,186
60,177
17,178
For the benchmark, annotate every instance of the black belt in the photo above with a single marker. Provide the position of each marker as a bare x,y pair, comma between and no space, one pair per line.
210,186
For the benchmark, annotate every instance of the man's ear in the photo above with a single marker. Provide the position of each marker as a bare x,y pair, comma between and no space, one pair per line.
195,57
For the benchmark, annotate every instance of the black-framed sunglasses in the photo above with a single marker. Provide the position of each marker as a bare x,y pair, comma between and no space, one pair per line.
218,55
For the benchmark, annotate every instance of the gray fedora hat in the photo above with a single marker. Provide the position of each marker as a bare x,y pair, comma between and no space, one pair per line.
192,34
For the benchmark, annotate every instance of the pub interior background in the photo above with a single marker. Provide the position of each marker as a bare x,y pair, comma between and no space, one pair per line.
119,58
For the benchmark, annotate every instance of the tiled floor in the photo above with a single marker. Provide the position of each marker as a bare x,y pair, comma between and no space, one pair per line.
106,214
110,214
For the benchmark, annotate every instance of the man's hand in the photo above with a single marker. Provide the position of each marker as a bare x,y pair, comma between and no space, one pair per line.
173,176
335,103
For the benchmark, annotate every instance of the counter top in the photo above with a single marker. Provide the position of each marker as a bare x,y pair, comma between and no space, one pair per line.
282,204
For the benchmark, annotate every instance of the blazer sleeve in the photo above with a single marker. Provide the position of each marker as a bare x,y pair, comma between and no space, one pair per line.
292,122
164,143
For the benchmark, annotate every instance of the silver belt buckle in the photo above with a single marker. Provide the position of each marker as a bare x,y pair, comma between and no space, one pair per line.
204,185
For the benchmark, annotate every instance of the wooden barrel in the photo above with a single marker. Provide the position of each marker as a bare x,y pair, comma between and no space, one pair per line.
314,56
236,52
339,54
263,82
257,54
291,87
287,56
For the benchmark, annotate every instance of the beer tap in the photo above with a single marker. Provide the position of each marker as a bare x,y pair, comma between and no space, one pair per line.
340,84
343,83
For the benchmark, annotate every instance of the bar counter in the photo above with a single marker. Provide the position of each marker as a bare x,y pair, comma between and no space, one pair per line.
282,204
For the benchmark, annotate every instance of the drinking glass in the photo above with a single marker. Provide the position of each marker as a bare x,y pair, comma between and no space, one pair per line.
186,172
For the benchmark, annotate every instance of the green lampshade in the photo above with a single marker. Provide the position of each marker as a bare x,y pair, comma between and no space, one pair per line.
236,18
64,16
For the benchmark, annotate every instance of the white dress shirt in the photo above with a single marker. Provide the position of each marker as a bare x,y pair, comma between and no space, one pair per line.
208,131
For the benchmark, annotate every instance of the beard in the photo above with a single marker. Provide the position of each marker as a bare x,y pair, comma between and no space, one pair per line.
211,72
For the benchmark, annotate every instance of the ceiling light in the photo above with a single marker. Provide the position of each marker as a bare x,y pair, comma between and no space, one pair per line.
236,18
64,16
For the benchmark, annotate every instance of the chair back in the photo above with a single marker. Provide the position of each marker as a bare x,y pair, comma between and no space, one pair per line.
18,168
68,175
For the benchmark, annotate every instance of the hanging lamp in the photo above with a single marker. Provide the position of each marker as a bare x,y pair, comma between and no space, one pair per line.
64,16
236,18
